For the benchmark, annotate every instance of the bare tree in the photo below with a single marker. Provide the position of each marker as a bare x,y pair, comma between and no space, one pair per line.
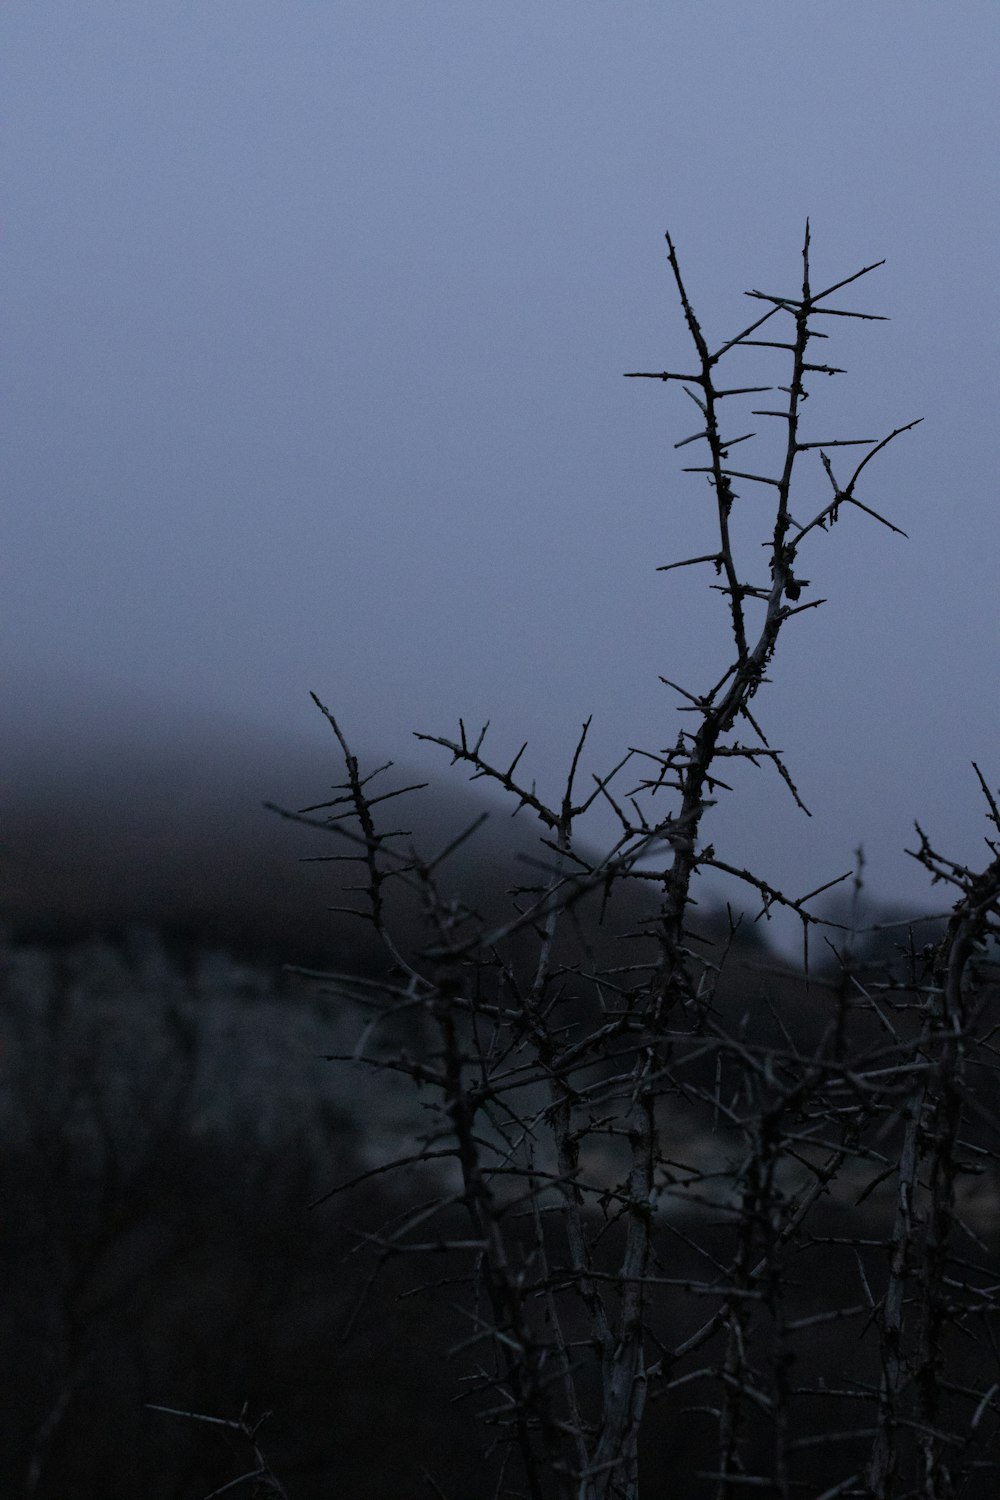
650,1178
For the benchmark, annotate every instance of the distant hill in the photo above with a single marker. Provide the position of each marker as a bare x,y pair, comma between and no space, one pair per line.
115,815
142,822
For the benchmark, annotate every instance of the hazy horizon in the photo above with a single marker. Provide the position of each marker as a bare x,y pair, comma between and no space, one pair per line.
313,380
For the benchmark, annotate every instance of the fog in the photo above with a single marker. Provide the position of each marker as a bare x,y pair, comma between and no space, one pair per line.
318,317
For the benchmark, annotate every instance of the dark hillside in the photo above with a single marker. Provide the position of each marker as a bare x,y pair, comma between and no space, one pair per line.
132,822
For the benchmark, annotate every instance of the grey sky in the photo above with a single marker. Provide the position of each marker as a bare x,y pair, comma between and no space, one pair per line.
317,320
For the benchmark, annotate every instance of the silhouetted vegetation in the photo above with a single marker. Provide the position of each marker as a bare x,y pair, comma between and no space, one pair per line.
602,1198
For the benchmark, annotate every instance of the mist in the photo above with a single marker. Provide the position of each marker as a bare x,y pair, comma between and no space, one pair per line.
313,381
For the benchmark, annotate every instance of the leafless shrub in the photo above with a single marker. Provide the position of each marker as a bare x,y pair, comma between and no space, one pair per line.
773,1218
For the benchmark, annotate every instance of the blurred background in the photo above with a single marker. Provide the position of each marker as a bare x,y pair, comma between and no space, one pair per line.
317,320
313,349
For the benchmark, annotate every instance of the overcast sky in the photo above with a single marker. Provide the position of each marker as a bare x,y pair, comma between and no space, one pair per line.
317,319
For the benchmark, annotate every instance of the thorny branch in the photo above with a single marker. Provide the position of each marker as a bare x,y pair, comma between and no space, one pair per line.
634,1125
